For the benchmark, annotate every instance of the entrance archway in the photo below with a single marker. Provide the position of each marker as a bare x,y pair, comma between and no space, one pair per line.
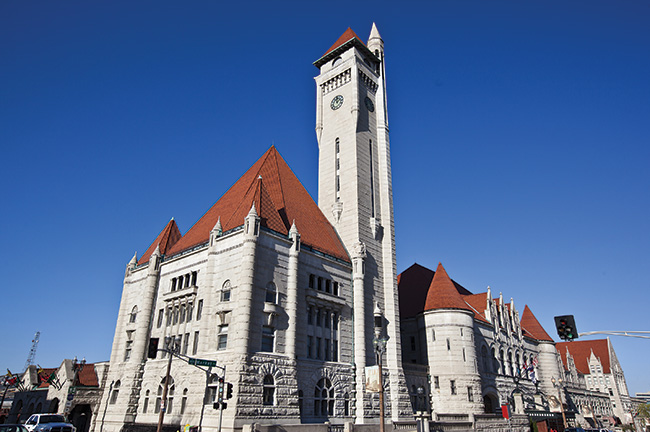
80,417
490,404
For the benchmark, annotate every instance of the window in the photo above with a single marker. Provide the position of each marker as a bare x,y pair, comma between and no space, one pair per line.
186,343
310,347
346,404
161,314
327,318
168,313
174,284
318,317
145,405
319,353
170,397
320,284
158,399
310,315
184,401
134,314
199,310
436,382
335,289
182,317
328,286
175,315
225,291
194,277
448,344
195,346
222,340
452,385
335,350
116,392
190,310
464,356
328,347
312,281
433,334
268,338
412,343
324,398
271,293
470,394
268,392
187,280
129,345
335,321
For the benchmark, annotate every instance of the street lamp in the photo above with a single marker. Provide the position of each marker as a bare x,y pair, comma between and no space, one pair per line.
380,347
558,384
172,346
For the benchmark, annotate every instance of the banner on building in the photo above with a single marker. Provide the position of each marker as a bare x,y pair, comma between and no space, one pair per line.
373,383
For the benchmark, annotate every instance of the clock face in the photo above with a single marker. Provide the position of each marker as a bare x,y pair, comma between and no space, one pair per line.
369,104
336,102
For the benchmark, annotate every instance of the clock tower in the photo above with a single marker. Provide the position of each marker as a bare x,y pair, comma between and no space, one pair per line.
355,194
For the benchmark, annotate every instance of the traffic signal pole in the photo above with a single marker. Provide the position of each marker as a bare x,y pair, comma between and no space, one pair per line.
221,404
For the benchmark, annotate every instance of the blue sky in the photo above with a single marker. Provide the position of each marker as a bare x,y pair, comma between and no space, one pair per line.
520,137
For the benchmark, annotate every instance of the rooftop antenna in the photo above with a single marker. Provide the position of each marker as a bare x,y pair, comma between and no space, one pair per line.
32,352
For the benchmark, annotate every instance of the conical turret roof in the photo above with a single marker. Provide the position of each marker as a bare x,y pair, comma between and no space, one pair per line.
443,294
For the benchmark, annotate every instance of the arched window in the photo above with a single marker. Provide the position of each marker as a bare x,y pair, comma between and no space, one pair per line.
502,362
271,293
145,405
54,406
495,361
184,401
116,391
510,367
170,394
346,404
134,314
323,398
268,392
225,291
484,359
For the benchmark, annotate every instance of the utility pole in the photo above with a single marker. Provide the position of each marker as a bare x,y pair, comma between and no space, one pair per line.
380,346
171,347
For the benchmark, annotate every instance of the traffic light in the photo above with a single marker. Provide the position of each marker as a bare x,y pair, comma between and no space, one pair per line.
153,348
566,327
220,391
228,391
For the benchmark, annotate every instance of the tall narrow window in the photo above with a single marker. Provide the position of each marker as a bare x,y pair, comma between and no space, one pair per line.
225,291
116,392
268,392
190,310
134,314
129,345
222,340
324,398
372,182
145,405
186,343
452,385
271,293
199,310
335,288
268,338
312,281
174,284
470,394
161,315
310,346
182,316
194,277
184,401
195,346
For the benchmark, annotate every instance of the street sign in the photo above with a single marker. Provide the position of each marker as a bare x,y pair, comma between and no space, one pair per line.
201,362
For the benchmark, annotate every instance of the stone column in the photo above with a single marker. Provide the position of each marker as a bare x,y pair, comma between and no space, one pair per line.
292,292
145,312
358,291
246,286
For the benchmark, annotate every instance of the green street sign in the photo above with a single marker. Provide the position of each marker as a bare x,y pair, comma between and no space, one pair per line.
200,362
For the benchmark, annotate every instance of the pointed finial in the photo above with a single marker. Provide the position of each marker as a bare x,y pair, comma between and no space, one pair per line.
293,231
374,33
172,219
134,260
259,177
157,250
252,211
217,226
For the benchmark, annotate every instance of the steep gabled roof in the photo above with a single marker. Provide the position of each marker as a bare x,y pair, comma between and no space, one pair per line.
477,302
279,199
531,326
348,38
165,240
581,351
443,293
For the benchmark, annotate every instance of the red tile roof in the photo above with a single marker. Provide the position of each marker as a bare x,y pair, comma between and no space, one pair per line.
88,376
48,372
166,239
279,199
443,293
581,351
477,302
531,326
347,35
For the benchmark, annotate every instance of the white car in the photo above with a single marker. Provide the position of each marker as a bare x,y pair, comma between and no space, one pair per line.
48,423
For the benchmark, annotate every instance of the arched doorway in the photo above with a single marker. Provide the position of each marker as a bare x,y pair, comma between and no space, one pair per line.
489,404
80,417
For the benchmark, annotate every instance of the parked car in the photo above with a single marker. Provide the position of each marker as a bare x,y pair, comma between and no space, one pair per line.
48,423
574,429
12,428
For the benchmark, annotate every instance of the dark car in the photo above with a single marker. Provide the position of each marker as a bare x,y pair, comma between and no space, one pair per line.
12,428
